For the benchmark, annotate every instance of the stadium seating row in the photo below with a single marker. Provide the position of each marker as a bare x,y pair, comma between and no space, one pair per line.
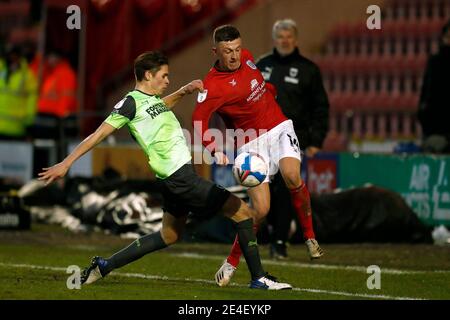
394,38
13,15
373,77
417,9
355,65
373,83
375,102
370,126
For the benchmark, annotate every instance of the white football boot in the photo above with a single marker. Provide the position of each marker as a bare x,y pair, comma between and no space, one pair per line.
93,272
269,282
314,250
224,274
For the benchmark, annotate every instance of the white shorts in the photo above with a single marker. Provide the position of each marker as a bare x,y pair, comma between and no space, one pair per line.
278,143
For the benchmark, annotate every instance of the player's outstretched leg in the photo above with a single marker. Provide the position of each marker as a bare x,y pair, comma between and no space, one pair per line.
242,215
100,267
169,234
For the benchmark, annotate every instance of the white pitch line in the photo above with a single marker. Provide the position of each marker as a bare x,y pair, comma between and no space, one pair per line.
313,265
211,282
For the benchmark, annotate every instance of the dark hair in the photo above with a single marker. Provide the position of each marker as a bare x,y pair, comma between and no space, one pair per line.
225,33
149,61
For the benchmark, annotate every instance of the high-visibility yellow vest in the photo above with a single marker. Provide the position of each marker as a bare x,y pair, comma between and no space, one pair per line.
18,98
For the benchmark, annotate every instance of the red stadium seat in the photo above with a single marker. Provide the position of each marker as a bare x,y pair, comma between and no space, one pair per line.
338,38
376,74
376,102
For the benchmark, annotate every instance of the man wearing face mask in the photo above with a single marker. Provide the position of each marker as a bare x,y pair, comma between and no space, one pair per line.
434,98
303,99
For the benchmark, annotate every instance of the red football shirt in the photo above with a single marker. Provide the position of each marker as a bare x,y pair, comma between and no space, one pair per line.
242,98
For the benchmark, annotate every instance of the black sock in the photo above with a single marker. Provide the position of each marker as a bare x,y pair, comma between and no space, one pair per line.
249,248
137,249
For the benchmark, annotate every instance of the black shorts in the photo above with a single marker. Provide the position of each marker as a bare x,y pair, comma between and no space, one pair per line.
186,192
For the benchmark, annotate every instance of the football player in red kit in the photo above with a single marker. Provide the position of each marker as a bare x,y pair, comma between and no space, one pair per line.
235,89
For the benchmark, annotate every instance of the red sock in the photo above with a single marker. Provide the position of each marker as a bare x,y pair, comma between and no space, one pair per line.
236,252
302,205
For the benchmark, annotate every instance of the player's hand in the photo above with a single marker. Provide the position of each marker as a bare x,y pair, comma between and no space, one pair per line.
311,151
221,158
48,175
193,86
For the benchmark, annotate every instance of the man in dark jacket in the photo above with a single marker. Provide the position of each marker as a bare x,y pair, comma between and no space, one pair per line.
434,98
303,99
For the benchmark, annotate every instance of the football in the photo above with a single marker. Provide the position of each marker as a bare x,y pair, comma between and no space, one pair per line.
250,169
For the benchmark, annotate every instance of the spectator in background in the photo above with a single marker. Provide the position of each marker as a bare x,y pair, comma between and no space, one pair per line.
435,98
303,99
57,96
57,103
18,94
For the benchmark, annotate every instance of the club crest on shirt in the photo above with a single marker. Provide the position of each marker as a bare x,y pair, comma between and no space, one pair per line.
293,72
251,64
202,96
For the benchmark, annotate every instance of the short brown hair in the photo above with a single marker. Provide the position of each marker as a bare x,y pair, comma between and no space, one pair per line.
149,61
225,33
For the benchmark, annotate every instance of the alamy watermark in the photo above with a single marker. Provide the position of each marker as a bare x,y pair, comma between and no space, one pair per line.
74,19
374,280
74,280
228,141
374,20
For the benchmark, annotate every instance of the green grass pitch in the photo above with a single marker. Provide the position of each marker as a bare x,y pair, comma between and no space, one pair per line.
33,265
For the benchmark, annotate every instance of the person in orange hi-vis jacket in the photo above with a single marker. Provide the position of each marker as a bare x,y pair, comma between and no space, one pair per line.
58,91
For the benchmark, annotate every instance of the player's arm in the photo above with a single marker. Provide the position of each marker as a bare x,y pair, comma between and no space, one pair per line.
172,99
124,111
59,170
207,103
